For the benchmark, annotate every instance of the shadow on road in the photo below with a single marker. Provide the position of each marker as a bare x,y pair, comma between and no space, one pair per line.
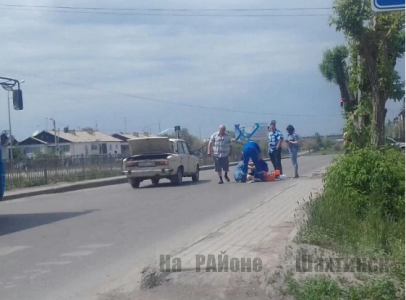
19,222
168,184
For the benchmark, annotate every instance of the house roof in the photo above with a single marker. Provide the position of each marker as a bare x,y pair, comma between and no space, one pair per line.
84,136
32,141
4,140
127,136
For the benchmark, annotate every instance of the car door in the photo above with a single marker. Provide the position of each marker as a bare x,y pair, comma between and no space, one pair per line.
189,158
183,157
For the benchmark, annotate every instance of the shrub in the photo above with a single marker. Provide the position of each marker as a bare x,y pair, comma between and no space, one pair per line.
308,144
362,208
338,147
369,178
328,142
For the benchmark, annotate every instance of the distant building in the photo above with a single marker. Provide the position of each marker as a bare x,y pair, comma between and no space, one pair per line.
71,142
5,145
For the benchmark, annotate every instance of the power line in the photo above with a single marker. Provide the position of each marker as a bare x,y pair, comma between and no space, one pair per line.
179,12
166,15
165,9
166,101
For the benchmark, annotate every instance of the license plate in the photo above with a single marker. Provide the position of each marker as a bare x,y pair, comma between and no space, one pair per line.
146,164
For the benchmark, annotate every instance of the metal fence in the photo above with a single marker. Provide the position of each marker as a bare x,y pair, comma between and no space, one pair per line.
41,171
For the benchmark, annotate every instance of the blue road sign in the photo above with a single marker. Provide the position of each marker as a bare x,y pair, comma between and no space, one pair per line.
388,5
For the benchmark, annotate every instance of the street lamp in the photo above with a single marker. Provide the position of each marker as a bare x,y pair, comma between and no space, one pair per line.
8,85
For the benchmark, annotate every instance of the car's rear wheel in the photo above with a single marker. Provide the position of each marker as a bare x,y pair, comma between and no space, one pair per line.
155,181
196,176
135,183
178,177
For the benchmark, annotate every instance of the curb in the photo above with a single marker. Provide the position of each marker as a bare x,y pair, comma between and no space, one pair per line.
89,185
68,188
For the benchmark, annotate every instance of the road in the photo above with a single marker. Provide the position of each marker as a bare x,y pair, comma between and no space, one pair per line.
76,244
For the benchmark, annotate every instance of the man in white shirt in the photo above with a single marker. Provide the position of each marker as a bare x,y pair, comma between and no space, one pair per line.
220,148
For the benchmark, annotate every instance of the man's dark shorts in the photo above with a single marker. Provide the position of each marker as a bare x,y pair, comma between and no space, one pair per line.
221,163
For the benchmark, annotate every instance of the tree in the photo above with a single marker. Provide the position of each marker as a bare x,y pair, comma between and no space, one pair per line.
319,141
193,141
334,69
377,40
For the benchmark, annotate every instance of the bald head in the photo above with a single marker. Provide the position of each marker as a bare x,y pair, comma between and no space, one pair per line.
222,129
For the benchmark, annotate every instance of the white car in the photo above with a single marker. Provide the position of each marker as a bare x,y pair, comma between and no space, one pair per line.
155,158
393,143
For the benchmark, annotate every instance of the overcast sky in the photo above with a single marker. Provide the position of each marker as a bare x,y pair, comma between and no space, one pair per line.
85,69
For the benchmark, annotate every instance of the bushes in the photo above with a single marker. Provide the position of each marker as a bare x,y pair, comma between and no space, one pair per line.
361,211
370,179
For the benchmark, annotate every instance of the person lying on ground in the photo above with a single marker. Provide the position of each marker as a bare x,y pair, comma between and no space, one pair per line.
262,163
239,175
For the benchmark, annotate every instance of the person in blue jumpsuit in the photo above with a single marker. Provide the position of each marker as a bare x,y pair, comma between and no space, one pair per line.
251,151
264,168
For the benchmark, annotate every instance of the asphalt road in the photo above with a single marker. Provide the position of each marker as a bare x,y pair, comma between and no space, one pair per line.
76,244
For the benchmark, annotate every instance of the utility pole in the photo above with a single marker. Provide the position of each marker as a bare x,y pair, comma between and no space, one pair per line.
10,139
125,125
8,84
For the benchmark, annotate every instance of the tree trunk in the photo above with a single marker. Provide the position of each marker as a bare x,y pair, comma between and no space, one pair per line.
378,119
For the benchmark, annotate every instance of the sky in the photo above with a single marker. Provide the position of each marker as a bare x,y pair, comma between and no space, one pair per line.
139,70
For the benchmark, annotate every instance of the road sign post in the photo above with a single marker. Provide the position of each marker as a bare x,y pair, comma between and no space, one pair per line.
388,5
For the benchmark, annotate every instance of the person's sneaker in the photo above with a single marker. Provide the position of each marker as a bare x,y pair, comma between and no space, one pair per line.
296,176
221,182
226,177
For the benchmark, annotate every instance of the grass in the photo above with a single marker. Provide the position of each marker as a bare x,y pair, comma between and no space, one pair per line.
350,219
322,287
345,232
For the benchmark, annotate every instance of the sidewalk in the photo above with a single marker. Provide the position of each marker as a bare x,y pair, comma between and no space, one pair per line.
261,233
62,187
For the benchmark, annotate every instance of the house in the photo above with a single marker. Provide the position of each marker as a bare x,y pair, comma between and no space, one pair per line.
5,145
124,137
32,145
72,142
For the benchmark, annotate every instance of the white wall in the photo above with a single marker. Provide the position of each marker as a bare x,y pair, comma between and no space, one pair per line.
114,148
33,149
86,148
4,151
74,149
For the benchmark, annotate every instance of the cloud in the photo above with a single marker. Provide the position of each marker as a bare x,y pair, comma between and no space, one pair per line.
209,61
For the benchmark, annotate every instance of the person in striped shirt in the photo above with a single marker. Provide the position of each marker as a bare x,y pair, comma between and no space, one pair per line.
220,149
275,146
